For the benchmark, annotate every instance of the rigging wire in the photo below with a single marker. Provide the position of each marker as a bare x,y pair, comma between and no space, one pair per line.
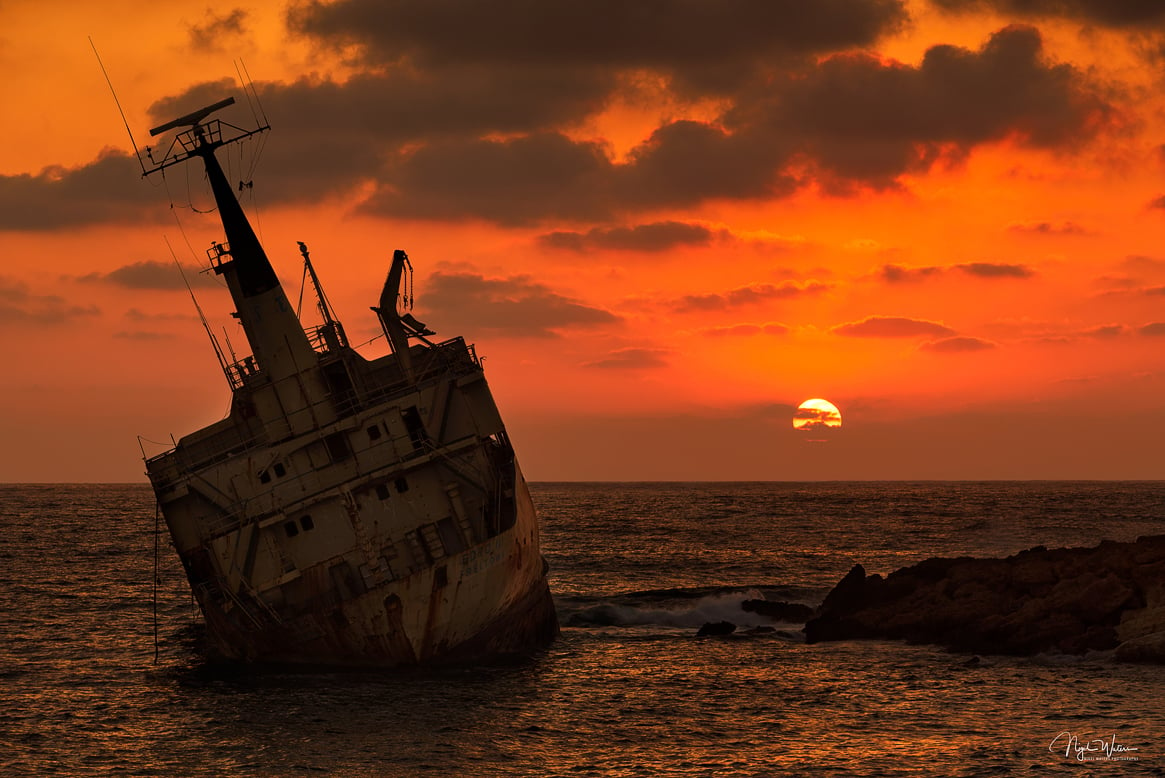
157,515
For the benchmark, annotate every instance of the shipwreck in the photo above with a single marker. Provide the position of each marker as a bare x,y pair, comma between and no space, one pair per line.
347,511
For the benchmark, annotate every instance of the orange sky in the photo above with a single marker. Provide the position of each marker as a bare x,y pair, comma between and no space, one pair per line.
664,228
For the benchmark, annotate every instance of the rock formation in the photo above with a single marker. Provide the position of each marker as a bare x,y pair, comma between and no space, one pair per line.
1068,600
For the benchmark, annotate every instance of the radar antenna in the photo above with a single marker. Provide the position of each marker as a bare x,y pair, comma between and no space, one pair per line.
201,139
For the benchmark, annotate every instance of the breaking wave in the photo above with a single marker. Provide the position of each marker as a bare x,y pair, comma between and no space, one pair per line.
680,608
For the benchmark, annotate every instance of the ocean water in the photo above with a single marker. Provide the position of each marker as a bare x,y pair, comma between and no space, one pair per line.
628,689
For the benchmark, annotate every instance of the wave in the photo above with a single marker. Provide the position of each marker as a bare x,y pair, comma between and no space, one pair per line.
680,608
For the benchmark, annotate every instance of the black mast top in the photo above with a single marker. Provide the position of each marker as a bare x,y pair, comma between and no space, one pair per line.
248,258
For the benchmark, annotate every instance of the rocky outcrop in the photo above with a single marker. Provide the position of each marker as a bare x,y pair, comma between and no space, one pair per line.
1071,601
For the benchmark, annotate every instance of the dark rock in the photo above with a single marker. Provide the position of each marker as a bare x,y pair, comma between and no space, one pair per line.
792,612
716,628
1060,601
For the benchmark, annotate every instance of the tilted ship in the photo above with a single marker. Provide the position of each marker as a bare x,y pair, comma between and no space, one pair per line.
347,512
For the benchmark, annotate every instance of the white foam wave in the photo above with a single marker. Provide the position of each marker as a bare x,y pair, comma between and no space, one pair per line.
713,608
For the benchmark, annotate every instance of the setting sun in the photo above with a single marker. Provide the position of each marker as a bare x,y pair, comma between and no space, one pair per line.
816,415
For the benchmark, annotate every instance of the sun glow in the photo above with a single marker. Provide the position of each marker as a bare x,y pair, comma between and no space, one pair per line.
816,415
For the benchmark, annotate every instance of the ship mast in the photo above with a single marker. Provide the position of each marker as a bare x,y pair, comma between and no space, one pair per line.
280,347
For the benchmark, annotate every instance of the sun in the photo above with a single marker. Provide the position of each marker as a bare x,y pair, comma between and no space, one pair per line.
816,415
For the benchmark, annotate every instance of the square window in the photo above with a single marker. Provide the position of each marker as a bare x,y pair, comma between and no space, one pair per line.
374,432
307,523
382,491
264,477
291,529
280,471
401,485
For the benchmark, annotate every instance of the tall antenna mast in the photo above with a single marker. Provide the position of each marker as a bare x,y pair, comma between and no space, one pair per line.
117,102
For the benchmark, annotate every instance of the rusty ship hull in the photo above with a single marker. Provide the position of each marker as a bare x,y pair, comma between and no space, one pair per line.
347,512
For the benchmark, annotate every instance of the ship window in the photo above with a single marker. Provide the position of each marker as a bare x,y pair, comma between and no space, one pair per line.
450,536
280,471
337,444
264,477
291,529
401,485
440,577
382,491
415,427
307,523
374,432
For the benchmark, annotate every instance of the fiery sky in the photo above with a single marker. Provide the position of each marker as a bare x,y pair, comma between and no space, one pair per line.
664,223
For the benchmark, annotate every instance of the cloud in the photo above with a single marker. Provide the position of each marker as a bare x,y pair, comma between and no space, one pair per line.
654,237
703,45
513,307
861,119
995,270
1105,331
958,344
109,189
1157,202
162,276
746,330
210,35
1121,14
632,359
1047,228
747,295
439,130
897,274
1155,329
891,327
18,306
142,335
512,182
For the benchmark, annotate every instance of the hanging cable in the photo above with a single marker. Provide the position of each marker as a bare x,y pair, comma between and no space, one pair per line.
157,516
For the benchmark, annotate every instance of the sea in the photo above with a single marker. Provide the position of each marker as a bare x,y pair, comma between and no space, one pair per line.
102,670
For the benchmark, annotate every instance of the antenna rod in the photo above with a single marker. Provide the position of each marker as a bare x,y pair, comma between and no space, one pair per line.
124,121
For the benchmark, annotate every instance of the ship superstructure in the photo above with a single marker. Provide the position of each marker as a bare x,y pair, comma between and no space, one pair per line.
347,511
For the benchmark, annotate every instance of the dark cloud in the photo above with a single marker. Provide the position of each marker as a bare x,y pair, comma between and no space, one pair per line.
704,45
995,270
18,305
1155,329
816,419
897,274
854,119
1131,14
155,275
210,34
632,359
747,330
862,119
511,182
109,189
891,327
658,236
747,295
955,345
513,307
1157,202
478,131
1047,228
